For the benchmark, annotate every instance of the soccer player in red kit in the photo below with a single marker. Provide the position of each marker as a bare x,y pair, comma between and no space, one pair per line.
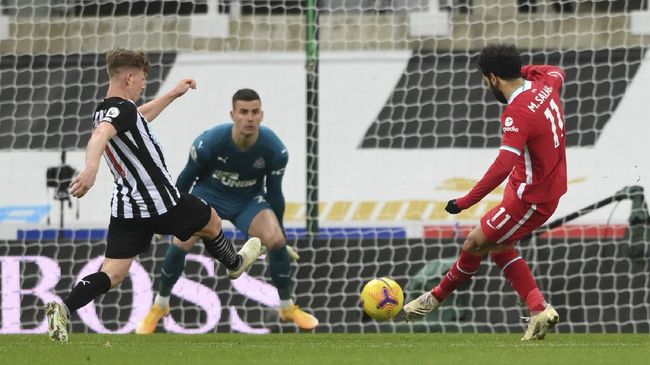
533,154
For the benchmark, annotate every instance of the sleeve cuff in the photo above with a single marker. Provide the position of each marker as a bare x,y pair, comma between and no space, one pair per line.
516,151
462,203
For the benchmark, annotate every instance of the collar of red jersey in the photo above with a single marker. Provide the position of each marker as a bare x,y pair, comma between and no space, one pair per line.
526,86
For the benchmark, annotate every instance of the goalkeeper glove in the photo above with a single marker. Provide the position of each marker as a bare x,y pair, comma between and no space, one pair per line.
293,254
452,207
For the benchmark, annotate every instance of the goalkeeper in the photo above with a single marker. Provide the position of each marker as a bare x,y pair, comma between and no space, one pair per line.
237,168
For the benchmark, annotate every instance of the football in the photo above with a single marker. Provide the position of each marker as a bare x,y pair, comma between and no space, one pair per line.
382,298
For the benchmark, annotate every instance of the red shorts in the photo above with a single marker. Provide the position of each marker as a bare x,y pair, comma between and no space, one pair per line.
513,219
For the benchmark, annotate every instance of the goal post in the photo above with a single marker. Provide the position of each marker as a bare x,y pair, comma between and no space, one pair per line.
311,67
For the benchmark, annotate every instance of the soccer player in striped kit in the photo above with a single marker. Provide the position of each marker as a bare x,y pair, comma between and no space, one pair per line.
144,200
238,169
533,155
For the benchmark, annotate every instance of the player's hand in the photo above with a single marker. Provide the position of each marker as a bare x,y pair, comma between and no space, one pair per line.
80,185
452,207
183,86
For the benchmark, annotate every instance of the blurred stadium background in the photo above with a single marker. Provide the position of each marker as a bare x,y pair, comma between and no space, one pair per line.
385,118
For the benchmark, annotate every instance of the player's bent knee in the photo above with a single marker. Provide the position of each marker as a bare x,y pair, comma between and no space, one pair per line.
116,269
216,221
470,244
213,227
116,278
476,247
186,245
273,240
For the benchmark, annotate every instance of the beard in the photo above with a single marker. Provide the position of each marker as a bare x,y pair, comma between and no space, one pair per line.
498,94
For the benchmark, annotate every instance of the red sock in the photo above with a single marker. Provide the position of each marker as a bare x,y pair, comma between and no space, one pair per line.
461,271
518,273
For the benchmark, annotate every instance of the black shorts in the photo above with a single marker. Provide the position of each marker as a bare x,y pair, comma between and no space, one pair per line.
129,237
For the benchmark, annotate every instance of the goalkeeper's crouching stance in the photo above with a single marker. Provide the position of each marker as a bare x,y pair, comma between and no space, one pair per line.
532,154
238,169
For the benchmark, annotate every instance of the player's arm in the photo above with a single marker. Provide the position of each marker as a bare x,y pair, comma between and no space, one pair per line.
152,109
188,176
553,73
96,145
199,158
118,118
498,171
512,146
274,195
274,177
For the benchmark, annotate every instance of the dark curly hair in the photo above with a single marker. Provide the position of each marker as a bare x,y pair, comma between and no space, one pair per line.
502,60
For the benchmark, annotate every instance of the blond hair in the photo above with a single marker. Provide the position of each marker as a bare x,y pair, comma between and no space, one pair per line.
118,59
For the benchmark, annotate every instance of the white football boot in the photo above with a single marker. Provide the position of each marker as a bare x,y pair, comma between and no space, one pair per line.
540,323
57,321
249,253
421,306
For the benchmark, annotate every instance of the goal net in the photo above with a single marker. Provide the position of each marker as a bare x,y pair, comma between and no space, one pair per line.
404,124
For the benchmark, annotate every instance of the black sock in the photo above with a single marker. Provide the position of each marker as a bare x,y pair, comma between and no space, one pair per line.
87,289
223,250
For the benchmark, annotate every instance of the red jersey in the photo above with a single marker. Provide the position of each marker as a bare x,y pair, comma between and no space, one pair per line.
533,128
533,149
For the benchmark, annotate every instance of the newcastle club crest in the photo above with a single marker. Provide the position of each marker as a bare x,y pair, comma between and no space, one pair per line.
259,163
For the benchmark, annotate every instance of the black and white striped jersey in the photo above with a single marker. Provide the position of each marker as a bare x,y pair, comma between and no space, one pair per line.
143,186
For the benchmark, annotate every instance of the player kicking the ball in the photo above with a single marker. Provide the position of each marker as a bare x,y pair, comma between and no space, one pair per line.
533,154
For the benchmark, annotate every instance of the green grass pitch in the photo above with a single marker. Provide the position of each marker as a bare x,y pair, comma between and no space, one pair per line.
340,349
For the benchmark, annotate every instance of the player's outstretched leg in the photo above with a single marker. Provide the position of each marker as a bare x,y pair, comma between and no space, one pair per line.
281,273
57,321
461,271
249,253
87,289
540,323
